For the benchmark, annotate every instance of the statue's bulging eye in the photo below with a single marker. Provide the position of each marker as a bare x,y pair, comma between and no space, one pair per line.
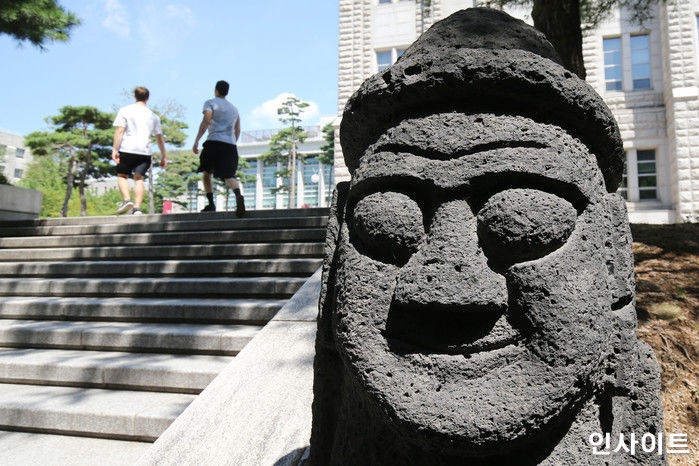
389,226
517,225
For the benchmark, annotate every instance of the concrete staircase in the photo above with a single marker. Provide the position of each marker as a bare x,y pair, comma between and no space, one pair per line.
110,326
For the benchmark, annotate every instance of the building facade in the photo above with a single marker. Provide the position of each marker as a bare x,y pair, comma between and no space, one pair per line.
648,75
314,181
14,156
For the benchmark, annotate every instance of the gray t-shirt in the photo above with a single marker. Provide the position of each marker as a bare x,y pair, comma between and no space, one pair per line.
223,122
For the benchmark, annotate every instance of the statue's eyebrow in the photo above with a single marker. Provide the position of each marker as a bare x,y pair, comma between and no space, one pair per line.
435,154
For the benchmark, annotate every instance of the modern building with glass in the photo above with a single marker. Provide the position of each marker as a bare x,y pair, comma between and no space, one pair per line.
314,181
648,75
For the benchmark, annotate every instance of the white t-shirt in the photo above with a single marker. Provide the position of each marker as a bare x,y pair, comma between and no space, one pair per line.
140,123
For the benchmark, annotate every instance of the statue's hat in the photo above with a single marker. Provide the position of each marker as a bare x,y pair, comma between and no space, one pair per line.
484,60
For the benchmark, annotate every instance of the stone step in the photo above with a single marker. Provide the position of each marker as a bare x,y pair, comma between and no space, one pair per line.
126,336
249,311
158,218
222,267
98,369
97,412
206,287
32,449
164,226
194,251
178,238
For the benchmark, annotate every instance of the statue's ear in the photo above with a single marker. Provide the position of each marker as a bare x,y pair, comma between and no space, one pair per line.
327,291
619,255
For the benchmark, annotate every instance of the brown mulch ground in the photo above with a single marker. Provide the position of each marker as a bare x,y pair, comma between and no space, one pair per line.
667,286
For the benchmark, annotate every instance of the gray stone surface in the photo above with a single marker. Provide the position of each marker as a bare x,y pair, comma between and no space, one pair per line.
19,203
102,369
231,236
90,411
24,449
252,311
477,297
156,252
126,336
257,411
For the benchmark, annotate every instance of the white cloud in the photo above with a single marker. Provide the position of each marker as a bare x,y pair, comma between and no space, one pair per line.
265,116
182,12
116,18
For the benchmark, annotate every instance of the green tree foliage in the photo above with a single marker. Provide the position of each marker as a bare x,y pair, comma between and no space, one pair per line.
82,137
562,21
282,146
327,155
36,21
47,174
3,178
178,178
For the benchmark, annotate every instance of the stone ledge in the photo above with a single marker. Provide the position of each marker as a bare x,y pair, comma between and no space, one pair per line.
19,203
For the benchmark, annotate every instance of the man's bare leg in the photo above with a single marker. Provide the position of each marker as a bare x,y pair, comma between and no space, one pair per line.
206,179
234,184
123,183
138,190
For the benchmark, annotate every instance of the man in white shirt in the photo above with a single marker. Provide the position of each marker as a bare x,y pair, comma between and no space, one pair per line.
135,124
220,154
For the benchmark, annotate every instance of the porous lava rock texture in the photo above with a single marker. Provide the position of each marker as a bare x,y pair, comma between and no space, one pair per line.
477,304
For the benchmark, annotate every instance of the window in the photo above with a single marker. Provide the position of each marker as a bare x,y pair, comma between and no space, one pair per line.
612,63
19,153
647,181
640,180
250,188
311,180
640,61
386,58
192,201
383,60
384,1
18,173
328,182
624,186
269,182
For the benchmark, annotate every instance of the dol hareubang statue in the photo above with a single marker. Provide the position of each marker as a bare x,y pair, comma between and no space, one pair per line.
478,294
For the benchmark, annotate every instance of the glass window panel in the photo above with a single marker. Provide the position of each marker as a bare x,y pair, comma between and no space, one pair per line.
384,1
639,41
645,194
399,52
383,60
614,85
645,155
640,56
641,83
646,167
250,188
269,182
311,167
647,181
18,173
19,153
612,58
613,43
640,71
612,73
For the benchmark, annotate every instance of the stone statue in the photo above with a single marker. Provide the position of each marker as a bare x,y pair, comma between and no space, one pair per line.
478,290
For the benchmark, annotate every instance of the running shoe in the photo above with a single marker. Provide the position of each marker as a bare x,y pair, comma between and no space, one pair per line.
209,208
240,206
124,207
136,211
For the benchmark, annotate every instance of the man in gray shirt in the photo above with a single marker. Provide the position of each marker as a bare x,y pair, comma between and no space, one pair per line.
219,155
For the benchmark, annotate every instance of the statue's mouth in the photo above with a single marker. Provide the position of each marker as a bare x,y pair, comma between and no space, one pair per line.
448,330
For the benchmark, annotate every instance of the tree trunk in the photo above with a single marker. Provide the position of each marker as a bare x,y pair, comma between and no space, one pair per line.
81,190
559,20
70,178
151,201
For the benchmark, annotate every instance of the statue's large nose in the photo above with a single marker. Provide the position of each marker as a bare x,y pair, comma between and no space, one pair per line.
450,272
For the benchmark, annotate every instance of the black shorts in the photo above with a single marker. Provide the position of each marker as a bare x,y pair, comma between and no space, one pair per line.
219,158
133,163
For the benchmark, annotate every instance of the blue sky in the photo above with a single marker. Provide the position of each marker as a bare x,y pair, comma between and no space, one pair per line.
178,49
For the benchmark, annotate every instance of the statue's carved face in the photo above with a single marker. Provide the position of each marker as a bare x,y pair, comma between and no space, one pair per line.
472,301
